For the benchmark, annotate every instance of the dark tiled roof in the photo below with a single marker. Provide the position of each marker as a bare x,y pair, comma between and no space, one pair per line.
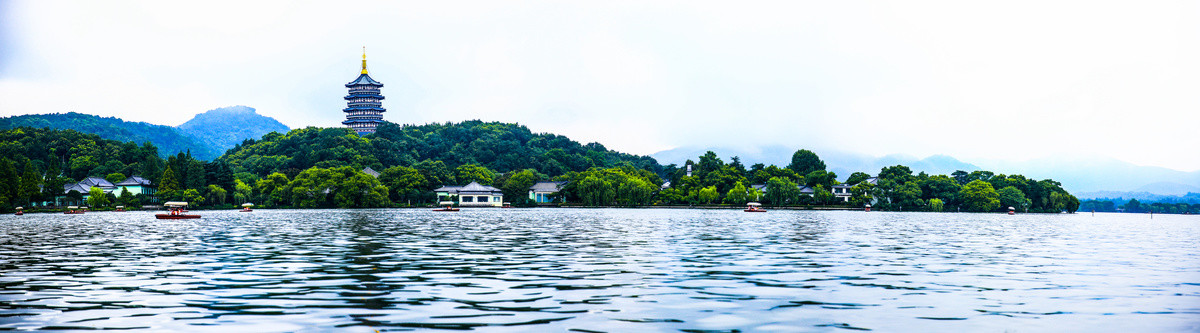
451,189
81,188
474,187
134,181
806,190
96,181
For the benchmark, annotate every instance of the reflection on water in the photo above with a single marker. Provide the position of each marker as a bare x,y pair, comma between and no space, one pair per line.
592,270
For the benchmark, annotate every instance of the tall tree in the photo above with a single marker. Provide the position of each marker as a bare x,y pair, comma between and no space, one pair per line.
979,196
805,161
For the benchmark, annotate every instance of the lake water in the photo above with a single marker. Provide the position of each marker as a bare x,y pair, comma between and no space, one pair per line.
600,270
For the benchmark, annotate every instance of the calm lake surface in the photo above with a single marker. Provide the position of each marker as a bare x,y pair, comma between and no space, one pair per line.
600,270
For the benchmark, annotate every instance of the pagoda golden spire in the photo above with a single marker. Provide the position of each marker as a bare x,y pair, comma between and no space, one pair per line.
364,70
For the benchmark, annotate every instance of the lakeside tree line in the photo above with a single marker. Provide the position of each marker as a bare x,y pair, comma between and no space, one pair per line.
322,167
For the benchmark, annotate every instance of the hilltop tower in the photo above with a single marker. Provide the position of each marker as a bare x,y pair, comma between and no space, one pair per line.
364,108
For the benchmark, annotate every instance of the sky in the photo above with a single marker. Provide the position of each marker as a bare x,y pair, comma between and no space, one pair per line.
1011,80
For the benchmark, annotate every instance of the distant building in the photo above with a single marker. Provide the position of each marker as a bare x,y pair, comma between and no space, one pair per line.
135,185
471,195
84,187
371,172
842,191
364,107
542,192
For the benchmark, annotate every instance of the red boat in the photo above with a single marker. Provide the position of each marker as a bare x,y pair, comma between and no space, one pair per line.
177,212
754,207
246,207
20,211
176,216
73,210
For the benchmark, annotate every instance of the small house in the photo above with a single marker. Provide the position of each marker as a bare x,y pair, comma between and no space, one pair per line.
472,195
543,192
135,185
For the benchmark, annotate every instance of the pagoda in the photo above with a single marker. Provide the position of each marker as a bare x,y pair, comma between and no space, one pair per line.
364,108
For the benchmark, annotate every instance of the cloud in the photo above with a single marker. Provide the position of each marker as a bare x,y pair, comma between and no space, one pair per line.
1012,80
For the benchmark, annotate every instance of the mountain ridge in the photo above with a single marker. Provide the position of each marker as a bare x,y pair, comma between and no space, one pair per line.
206,136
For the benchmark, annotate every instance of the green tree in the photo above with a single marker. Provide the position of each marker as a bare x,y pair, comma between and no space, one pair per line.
979,196
216,195
805,161
405,184
241,192
1012,197
936,205
596,191
96,198
822,195
169,188
708,194
516,187
115,177
782,191
737,195
192,196
127,199
272,189
820,177
467,173
857,177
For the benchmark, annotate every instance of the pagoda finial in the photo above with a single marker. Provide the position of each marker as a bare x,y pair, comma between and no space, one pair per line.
364,70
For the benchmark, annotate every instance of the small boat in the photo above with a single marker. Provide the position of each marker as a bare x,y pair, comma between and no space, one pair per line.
246,207
1012,211
20,211
73,210
754,207
176,211
506,205
120,208
449,207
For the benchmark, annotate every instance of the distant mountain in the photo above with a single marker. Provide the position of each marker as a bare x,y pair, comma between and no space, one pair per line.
1093,173
224,128
168,140
1120,197
842,163
207,135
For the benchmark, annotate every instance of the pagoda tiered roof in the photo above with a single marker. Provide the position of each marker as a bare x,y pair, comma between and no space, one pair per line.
364,79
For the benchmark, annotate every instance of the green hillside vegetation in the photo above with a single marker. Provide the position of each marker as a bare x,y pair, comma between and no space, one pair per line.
713,181
224,128
322,167
168,139
36,156
499,147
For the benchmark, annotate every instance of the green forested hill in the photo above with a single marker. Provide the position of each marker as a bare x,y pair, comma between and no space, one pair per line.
168,139
206,136
498,146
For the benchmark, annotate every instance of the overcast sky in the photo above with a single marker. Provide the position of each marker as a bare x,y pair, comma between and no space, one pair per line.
999,80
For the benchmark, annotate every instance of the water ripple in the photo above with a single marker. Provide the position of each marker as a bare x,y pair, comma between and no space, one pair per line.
590,270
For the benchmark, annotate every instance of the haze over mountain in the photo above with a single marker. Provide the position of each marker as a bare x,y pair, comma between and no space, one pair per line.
206,136
1087,175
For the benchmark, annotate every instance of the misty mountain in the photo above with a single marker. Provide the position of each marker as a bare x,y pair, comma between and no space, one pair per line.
167,139
1084,174
206,136
224,128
